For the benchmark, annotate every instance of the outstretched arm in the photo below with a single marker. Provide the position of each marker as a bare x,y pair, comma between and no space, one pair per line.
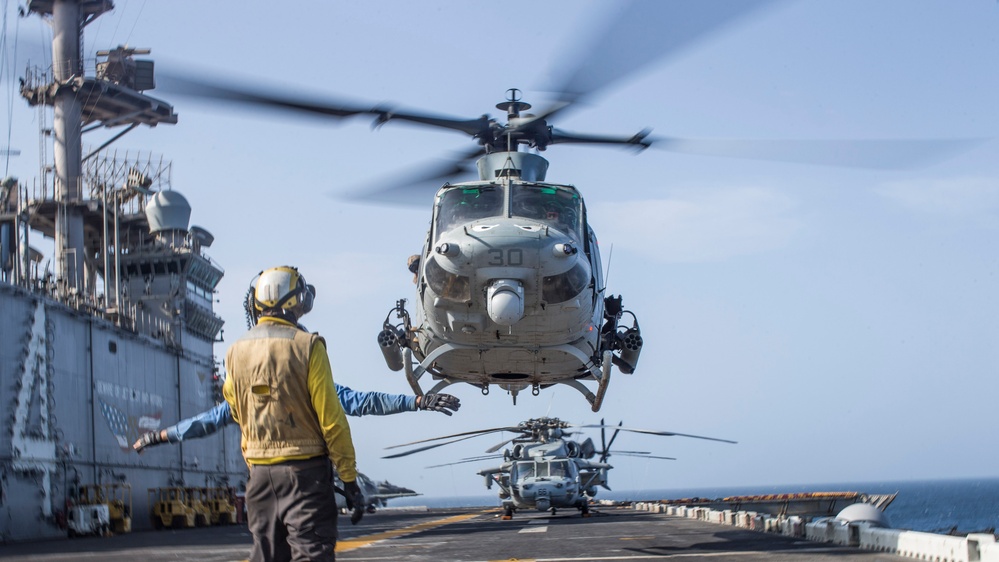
384,404
201,425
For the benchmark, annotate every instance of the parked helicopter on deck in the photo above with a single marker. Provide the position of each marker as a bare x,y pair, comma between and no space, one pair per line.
546,470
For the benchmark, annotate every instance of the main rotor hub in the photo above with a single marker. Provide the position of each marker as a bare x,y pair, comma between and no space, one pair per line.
513,106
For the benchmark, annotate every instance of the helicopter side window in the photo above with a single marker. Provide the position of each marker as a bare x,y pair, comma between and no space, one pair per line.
557,207
461,205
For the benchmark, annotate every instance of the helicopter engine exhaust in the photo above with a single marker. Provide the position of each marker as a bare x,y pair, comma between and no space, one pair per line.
388,342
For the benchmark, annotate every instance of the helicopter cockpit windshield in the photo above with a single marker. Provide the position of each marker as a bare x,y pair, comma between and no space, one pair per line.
558,207
543,469
466,204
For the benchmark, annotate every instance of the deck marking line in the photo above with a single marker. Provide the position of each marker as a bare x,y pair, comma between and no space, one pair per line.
358,542
678,555
534,529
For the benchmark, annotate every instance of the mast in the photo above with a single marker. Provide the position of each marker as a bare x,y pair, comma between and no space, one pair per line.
68,17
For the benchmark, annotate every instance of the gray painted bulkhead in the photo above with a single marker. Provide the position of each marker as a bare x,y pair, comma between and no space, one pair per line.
106,378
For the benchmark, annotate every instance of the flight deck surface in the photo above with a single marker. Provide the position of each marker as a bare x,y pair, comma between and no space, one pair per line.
611,533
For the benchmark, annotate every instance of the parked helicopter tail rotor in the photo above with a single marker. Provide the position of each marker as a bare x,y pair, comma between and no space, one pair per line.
605,444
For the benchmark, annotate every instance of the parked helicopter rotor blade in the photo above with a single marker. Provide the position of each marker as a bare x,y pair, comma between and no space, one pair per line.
502,444
428,447
473,433
643,456
468,460
657,432
640,33
885,154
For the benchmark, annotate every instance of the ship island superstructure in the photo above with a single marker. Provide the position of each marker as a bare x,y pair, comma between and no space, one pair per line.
111,333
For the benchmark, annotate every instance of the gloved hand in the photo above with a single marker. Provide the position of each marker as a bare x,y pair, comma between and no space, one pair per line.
355,501
443,403
149,439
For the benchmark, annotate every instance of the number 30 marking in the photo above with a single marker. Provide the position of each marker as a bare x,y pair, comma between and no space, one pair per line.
514,257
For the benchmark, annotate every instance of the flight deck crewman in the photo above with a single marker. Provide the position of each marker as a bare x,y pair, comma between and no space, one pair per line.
280,390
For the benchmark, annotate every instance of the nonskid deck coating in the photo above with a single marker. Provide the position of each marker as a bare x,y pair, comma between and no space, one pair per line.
472,535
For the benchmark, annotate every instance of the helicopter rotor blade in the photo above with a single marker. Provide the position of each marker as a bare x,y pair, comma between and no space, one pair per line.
207,89
661,433
883,154
502,444
643,456
638,34
233,91
473,433
427,447
416,187
637,140
468,460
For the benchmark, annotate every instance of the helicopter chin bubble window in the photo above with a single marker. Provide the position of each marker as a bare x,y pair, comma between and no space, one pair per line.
447,285
565,286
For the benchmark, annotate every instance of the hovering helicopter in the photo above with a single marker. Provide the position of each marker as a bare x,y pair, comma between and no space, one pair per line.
545,469
509,283
510,289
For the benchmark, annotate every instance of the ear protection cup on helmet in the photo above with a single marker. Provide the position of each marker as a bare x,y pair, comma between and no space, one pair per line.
307,296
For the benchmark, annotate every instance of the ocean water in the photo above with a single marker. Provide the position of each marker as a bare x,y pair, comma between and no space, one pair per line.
935,506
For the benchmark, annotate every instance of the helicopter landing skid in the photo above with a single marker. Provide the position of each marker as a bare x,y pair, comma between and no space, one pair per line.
596,400
410,377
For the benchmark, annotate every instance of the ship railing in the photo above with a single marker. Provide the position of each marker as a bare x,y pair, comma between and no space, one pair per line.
36,76
130,317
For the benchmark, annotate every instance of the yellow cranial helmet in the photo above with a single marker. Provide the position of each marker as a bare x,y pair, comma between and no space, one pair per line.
283,288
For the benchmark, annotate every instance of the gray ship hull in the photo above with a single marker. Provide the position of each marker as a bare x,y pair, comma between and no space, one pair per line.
77,391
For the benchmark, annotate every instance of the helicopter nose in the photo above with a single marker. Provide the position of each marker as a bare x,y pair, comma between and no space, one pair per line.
505,301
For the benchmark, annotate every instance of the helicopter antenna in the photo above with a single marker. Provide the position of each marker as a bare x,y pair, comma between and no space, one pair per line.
610,256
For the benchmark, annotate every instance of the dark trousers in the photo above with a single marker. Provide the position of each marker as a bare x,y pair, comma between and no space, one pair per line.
291,511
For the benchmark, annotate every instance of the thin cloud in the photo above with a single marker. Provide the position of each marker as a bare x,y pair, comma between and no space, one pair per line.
700,225
967,198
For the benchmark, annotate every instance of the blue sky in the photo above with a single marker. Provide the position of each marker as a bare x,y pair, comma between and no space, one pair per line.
841,324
